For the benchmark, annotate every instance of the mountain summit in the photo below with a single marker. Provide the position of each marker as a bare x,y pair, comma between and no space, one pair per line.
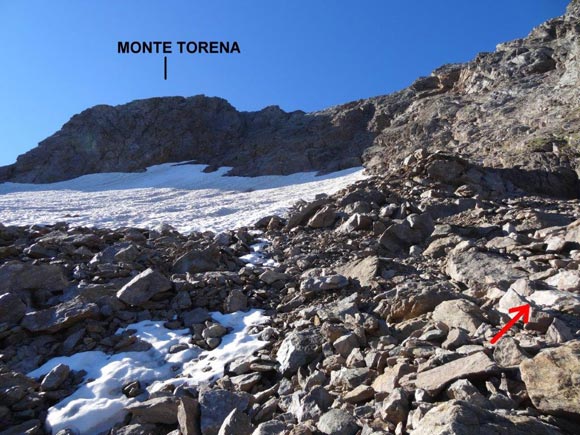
517,108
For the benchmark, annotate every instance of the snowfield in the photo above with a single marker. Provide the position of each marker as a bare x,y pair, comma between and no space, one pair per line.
180,195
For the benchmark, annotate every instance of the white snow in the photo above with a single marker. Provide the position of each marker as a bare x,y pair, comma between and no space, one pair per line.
98,404
257,256
180,195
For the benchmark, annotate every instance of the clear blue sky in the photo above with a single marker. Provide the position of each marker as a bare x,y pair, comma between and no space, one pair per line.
59,57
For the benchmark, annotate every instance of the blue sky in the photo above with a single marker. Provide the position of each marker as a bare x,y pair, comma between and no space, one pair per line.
59,57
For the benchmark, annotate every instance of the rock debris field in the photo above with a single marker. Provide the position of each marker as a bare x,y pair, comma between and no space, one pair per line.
367,311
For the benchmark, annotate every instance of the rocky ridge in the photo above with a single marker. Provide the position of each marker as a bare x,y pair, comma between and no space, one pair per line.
516,109
382,301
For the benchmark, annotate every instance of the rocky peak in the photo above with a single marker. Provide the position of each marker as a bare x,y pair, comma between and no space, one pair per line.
515,108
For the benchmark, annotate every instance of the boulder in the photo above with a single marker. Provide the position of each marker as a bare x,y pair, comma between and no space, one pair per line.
188,416
161,410
477,365
356,222
198,261
143,287
414,298
475,269
299,348
236,423
60,316
323,218
459,313
216,405
12,309
364,270
552,380
337,422
395,408
54,378
566,280
463,418
17,276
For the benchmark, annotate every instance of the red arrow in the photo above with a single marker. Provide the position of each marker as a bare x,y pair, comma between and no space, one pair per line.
521,311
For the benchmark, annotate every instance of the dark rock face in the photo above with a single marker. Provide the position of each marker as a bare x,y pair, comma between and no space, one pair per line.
516,109
142,133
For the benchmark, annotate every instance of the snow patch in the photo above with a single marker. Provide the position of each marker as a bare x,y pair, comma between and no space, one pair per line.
99,402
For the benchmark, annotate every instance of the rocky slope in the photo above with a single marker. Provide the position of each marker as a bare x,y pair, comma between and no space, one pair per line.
382,299
382,305
516,108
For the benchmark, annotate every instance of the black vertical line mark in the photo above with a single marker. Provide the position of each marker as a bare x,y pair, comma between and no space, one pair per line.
164,67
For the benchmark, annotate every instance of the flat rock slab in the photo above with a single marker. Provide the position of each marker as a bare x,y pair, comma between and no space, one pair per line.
364,270
553,380
474,268
475,365
60,316
463,418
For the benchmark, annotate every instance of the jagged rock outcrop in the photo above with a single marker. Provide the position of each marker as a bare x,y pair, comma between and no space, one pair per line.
516,109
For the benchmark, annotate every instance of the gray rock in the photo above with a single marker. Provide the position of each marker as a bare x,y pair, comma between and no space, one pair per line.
396,407
198,261
143,287
311,405
455,338
551,379
236,301
462,418
459,313
475,269
345,344
216,405
323,218
60,316
472,366
364,270
236,423
136,429
566,280
508,354
464,390
298,349
337,422
273,427
12,308
356,222
195,316
159,410
188,416
16,277
270,276
323,283
54,378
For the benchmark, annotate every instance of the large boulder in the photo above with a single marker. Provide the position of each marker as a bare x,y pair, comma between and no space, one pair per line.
552,380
